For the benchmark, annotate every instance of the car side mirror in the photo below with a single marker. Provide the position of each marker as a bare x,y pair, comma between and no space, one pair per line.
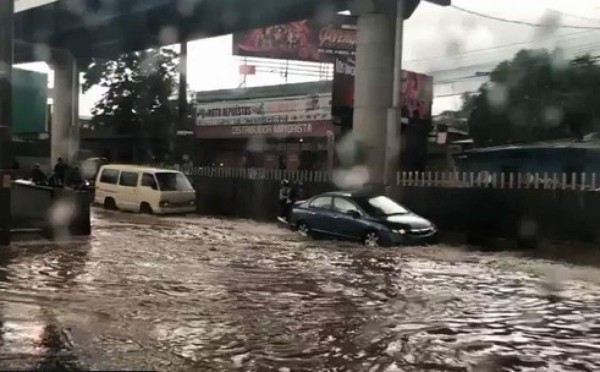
353,214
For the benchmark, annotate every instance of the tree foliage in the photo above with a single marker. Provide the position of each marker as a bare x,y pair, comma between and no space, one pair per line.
139,90
536,96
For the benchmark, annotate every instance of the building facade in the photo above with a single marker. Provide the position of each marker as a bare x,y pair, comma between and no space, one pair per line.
282,127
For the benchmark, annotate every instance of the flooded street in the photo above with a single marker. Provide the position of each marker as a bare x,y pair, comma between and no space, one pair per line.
204,294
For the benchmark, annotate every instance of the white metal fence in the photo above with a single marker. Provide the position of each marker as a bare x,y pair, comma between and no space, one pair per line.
535,181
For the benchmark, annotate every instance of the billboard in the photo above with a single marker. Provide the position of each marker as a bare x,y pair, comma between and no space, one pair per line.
281,110
308,40
417,90
29,102
417,95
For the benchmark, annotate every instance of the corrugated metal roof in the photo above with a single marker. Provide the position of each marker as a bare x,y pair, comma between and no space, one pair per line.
592,144
265,92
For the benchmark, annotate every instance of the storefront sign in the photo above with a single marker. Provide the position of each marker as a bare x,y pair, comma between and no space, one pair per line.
307,129
265,111
307,40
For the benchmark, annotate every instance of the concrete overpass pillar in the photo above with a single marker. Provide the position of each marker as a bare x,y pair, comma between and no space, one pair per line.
6,156
64,127
374,89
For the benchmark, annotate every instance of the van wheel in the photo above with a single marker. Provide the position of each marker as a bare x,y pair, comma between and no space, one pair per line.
145,208
109,204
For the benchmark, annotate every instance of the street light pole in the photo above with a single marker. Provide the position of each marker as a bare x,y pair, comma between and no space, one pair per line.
7,9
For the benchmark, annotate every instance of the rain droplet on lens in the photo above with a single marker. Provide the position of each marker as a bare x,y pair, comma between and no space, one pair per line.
498,97
168,35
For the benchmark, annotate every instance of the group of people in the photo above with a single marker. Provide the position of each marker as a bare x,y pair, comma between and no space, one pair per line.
288,195
62,176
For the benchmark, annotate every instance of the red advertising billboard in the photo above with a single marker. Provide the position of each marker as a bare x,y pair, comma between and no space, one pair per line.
417,89
417,95
308,40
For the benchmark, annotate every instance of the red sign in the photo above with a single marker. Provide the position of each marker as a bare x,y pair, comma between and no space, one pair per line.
417,95
308,129
417,89
307,40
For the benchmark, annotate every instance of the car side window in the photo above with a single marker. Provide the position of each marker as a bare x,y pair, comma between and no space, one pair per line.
342,205
149,181
128,179
321,203
109,176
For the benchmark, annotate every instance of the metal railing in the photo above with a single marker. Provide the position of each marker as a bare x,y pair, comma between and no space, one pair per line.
254,173
484,179
517,181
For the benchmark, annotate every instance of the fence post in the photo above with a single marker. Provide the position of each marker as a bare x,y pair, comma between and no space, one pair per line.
545,180
554,181
502,180
573,181
536,181
494,180
471,179
583,183
564,181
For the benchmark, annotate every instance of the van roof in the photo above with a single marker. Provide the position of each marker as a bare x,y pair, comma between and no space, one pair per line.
130,167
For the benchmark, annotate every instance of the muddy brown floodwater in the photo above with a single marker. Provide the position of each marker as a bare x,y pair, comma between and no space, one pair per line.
203,294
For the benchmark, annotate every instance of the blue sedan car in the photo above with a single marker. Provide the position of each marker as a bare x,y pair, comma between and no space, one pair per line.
373,220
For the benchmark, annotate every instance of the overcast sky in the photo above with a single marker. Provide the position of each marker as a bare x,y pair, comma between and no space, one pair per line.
446,42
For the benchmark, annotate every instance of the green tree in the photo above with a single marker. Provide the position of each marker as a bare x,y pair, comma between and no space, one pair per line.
536,96
140,88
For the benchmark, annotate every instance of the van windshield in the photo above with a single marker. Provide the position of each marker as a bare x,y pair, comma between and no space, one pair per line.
170,181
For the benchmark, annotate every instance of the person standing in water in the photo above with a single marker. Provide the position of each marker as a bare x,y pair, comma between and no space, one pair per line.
284,195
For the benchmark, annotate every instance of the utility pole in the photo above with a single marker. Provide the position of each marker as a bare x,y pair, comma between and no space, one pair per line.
6,61
182,99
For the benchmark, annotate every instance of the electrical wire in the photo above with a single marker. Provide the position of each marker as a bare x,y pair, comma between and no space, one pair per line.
518,22
503,46
597,20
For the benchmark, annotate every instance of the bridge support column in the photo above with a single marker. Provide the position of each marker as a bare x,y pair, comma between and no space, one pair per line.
64,127
6,156
376,117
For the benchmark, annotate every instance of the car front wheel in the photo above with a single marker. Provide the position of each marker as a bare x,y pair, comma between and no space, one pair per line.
371,239
303,229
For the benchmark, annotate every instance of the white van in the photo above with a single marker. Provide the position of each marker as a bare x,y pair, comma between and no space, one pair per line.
145,190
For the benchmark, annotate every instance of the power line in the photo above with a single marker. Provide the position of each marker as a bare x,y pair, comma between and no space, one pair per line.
503,46
523,23
577,16
454,94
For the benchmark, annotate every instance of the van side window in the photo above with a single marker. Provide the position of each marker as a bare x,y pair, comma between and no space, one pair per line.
128,179
109,176
149,181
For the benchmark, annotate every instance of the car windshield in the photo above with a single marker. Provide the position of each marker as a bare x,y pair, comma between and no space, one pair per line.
170,181
380,206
